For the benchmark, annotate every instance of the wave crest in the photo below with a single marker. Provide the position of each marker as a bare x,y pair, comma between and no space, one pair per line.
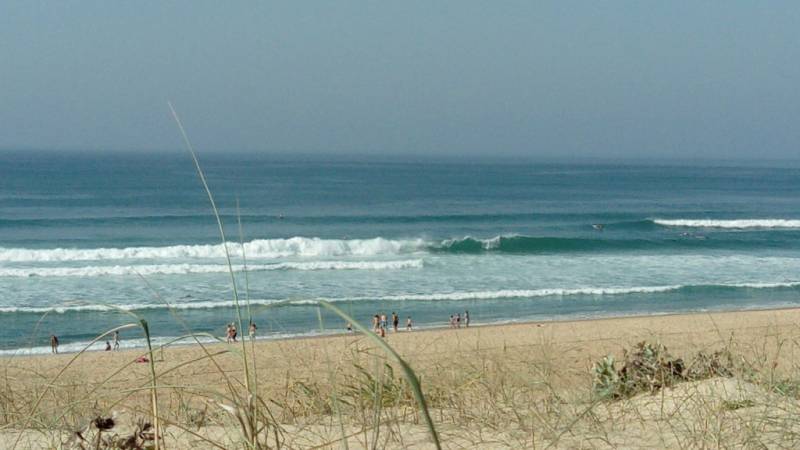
180,269
532,245
259,248
734,223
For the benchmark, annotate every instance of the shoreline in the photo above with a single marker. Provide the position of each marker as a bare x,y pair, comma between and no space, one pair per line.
316,336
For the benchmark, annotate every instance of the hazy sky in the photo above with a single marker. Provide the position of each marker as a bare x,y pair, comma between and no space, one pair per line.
593,78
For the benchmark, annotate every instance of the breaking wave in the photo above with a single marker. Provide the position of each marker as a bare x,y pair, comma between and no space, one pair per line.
735,223
319,248
178,269
259,248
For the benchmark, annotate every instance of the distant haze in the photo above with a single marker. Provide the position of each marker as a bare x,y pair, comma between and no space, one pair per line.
562,78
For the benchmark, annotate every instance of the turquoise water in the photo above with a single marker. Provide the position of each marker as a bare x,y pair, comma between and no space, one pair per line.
508,241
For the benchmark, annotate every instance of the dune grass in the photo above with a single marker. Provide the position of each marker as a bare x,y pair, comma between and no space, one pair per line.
480,390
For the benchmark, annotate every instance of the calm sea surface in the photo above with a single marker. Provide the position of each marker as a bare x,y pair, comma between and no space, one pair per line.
83,236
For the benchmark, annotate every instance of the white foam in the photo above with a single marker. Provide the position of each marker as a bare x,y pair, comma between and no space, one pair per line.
738,223
764,285
259,248
444,296
492,243
86,306
526,293
177,269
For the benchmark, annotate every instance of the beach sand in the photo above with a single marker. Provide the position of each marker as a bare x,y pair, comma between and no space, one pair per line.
501,386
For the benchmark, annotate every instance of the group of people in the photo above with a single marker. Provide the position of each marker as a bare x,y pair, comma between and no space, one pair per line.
116,342
380,323
232,333
108,348
456,320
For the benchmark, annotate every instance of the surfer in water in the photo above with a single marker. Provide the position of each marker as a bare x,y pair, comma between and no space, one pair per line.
598,226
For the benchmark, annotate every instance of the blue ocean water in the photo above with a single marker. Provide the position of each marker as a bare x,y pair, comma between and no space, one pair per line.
84,236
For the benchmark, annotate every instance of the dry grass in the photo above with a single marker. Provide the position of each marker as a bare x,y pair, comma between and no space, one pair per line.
495,387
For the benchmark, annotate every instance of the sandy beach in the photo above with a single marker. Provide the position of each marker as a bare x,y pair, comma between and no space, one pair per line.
468,369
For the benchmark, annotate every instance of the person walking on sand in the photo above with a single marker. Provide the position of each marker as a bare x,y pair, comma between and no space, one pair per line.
466,319
408,323
252,331
395,321
116,340
54,343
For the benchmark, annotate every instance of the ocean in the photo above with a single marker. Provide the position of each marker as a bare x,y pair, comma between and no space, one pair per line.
87,239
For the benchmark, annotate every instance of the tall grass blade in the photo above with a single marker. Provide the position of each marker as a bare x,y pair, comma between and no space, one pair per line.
202,176
408,372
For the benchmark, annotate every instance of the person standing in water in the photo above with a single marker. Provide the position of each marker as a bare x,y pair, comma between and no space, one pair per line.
252,330
376,320
395,321
466,319
116,340
54,343
408,323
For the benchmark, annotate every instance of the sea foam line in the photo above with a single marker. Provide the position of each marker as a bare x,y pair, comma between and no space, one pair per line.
734,223
445,296
179,269
258,248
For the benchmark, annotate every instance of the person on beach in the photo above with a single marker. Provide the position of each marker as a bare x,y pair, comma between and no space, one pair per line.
231,334
383,332
384,321
108,346
54,343
458,320
252,331
376,319
395,321
116,340
349,327
466,319
408,323
452,322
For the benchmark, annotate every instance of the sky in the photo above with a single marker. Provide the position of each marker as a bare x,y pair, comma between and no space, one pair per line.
716,79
